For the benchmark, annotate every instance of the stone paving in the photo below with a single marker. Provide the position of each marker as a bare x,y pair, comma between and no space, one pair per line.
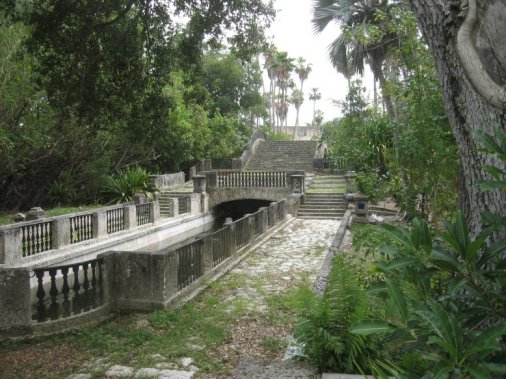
295,252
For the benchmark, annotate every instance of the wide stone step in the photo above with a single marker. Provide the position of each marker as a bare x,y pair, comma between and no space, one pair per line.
318,197
322,210
320,217
283,156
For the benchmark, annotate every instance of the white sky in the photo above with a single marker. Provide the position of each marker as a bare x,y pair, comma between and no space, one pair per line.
292,31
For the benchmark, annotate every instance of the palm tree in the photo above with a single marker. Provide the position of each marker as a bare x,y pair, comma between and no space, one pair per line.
282,66
269,65
296,99
314,96
355,47
303,70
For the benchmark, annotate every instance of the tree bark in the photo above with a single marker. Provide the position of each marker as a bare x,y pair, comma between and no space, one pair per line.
467,110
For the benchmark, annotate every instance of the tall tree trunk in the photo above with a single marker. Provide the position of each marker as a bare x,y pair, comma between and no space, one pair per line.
467,109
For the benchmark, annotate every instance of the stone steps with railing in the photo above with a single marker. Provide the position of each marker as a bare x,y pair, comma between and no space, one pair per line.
324,198
283,156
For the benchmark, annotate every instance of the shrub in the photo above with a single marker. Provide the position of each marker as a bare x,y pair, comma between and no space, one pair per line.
121,187
324,323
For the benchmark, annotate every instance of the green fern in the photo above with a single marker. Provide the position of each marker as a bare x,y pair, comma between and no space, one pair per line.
324,327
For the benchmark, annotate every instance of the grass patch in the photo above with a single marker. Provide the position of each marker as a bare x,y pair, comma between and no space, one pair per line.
274,345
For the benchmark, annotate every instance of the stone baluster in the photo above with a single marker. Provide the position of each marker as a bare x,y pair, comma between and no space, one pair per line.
41,294
65,291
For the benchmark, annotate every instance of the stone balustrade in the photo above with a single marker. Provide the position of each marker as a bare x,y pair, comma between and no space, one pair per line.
21,241
47,300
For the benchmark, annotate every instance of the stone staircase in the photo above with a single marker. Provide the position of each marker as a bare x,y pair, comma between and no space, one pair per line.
324,198
283,156
165,202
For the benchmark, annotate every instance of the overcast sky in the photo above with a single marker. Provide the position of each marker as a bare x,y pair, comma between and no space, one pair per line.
292,31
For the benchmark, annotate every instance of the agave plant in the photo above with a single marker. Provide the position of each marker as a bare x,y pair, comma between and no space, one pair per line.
121,188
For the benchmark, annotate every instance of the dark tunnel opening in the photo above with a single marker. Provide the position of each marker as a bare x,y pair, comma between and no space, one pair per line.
236,209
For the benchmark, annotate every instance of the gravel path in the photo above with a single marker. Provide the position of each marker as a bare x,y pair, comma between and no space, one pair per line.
293,254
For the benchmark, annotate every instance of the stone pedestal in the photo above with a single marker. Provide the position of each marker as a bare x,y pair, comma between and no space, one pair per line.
199,184
139,198
361,205
297,184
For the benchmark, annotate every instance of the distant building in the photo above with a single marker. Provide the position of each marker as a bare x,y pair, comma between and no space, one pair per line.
304,133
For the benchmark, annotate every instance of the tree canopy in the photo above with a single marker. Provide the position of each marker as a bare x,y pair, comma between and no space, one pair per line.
89,88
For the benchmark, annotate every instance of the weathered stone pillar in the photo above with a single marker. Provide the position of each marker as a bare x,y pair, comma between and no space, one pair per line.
211,179
195,206
297,184
60,232
264,219
192,172
15,302
207,254
236,164
361,204
274,207
251,227
271,216
282,209
204,202
172,204
171,267
129,217
232,245
99,224
154,215
10,246
139,198
207,164
156,196
199,184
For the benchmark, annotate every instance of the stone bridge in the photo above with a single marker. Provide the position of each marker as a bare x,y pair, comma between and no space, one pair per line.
224,186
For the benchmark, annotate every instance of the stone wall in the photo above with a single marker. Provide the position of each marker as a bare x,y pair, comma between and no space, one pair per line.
168,180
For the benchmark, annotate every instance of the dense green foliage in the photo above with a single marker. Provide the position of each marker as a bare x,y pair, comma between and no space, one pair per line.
90,88
438,298
409,153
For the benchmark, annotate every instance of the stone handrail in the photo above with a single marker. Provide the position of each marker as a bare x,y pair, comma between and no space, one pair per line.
67,296
239,179
25,239
185,269
241,162
168,180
